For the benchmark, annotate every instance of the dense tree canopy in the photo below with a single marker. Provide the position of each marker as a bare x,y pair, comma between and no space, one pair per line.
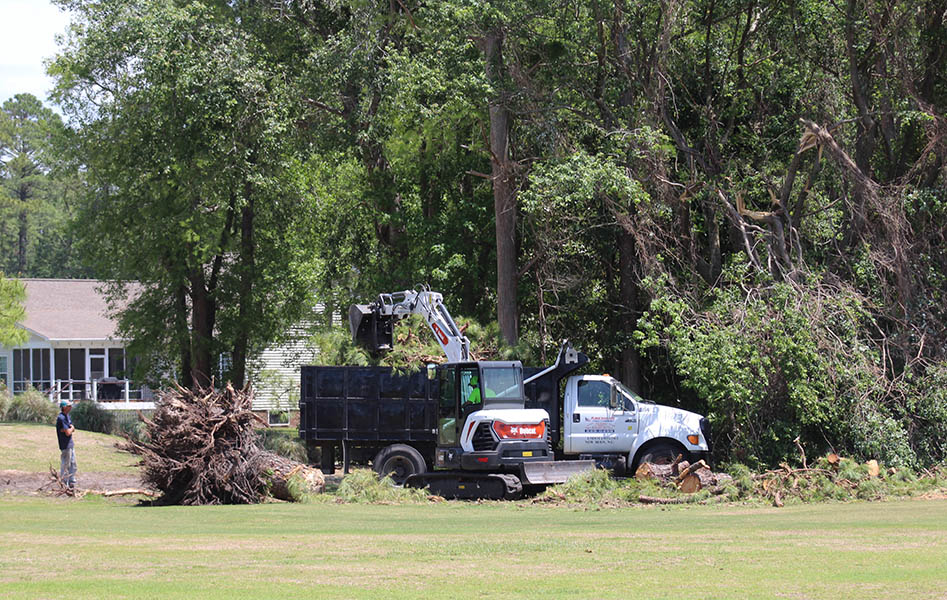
736,205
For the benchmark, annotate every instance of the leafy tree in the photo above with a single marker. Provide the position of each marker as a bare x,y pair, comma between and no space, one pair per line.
30,208
184,132
12,296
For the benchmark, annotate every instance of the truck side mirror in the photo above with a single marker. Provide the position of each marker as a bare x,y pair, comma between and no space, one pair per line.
431,371
614,399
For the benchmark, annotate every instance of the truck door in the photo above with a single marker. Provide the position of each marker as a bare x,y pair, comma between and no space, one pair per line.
591,426
599,419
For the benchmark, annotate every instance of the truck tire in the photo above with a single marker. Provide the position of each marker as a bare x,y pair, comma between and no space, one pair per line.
398,461
662,453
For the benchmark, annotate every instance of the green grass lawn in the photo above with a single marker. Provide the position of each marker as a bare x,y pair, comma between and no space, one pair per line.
93,548
33,447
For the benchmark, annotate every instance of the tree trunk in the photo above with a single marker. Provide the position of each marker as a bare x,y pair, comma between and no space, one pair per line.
289,480
186,377
247,273
628,289
504,193
21,245
202,330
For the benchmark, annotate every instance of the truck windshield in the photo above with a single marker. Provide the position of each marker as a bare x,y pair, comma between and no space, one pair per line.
503,382
631,394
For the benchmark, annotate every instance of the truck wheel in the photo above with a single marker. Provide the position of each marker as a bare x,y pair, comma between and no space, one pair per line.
398,461
662,453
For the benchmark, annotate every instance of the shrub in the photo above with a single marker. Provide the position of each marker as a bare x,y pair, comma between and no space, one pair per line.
363,486
285,443
5,400
89,416
31,407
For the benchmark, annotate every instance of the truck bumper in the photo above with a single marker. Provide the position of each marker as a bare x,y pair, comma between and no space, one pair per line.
507,454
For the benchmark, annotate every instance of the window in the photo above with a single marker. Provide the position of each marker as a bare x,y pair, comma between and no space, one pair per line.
278,418
594,393
117,363
4,375
446,409
470,387
629,397
503,382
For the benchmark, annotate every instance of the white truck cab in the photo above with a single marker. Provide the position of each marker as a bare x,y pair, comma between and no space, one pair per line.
603,418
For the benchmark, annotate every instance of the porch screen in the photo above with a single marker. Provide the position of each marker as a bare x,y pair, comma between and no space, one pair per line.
31,369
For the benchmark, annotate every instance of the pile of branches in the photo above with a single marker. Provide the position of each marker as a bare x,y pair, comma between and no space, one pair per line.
836,478
201,448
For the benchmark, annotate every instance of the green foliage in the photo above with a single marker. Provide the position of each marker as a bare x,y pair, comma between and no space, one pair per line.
89,416
5,399
284,443
668,221
31,407
782,361
415,345
12,296
363,486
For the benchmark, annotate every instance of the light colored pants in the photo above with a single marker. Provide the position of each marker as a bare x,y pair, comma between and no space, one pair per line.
67,466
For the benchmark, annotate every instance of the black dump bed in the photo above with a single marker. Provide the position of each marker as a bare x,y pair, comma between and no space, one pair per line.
366,404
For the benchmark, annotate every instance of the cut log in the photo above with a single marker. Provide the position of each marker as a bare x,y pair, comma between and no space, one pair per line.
697,480
681,467
675,468
652,471
833,459
690,484
874,469
288,479
690,469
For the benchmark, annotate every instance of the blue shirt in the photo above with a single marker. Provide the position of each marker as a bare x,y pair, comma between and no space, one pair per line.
63,422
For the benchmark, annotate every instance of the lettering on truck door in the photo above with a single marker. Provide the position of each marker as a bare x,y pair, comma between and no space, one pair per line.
593,421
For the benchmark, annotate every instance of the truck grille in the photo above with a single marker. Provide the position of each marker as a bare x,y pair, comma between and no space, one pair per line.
483,438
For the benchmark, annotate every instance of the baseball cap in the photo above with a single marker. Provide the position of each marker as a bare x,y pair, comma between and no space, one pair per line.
64,403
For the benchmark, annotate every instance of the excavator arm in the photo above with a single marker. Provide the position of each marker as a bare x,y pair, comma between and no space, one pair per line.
372,325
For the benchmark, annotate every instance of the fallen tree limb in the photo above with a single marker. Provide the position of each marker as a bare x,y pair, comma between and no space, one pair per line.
657,500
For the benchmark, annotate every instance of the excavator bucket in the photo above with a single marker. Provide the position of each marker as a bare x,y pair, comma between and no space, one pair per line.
370,329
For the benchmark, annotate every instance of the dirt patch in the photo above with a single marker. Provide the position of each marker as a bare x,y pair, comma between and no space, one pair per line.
31,483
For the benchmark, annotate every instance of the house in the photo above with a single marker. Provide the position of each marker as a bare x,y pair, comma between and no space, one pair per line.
75,353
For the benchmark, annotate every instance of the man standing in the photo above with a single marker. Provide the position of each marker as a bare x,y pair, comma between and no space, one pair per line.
67,456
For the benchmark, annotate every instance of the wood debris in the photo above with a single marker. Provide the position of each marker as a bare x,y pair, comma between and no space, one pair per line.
201,448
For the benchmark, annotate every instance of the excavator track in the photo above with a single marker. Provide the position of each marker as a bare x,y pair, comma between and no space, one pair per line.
468,486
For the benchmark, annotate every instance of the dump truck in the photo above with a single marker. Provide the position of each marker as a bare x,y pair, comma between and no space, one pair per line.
480,429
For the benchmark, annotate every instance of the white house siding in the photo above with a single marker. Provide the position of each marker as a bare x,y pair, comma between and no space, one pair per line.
275,372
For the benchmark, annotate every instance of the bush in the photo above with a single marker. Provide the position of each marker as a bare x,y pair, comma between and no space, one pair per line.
364,487
89,416
31,407
5,400
285,443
